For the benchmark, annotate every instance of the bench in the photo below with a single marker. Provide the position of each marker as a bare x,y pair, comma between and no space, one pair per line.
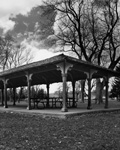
70,102
36,102
55,101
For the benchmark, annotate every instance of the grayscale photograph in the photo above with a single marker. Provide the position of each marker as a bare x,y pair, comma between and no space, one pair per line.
59,74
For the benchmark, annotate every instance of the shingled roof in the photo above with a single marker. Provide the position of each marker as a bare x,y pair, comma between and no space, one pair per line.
46,71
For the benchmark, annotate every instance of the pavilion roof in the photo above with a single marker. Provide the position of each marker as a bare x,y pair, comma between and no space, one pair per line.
45,71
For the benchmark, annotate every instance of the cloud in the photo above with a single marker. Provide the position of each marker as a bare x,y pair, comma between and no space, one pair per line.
6,24
14,7
42,54
8,7
38,54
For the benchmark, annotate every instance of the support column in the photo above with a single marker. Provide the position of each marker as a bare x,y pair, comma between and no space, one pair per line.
5,93
64,107
2,96
64,67
89,77
14,96
82,90
73,86
106,92
29,79
47,105
89,94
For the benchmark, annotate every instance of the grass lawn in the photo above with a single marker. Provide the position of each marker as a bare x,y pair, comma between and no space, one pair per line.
85,132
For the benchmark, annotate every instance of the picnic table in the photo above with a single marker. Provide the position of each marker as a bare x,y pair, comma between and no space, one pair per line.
53,101
36,102
59,100
70,102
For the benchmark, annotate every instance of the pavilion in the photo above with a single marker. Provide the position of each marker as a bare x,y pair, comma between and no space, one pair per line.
60,68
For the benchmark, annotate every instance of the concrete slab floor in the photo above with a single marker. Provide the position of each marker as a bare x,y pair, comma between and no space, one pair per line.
56,112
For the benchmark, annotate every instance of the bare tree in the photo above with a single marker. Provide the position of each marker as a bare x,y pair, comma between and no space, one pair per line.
18,56
12,54
90,29
6,45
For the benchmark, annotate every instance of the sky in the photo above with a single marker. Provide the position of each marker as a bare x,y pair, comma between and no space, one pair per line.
14,7
8,7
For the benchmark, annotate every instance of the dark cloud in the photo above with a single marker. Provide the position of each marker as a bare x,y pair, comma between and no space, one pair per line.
36,25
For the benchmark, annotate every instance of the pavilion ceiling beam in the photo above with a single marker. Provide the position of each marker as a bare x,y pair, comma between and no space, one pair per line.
42,69
55,74
45,79
32,71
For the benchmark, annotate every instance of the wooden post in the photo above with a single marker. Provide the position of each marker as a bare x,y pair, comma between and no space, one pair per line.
29,100
89,93
64,107
47,105
2,96
14,96
106,92
82,90
29,79
5,93
73,86
89,77
64,67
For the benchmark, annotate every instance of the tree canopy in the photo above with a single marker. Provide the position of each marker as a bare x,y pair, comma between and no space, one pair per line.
12,54
89,28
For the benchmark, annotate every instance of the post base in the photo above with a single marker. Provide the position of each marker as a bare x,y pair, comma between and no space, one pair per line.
74,106
28,108
64,110
5,106
106,107
89,107
47,105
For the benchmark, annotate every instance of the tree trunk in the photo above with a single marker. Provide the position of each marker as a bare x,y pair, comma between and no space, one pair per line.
82,90
99,91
